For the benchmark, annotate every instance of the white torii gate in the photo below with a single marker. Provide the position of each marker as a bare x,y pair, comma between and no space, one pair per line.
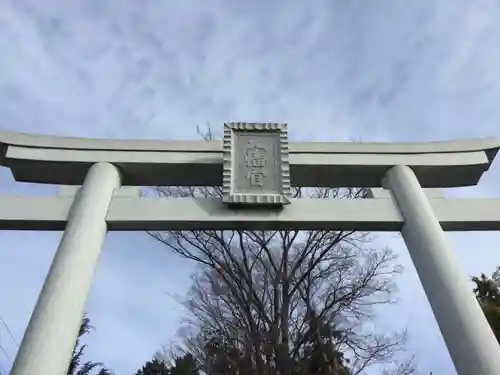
249,178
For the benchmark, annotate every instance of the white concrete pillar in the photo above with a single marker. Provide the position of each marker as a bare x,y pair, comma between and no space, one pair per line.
48,342
466,332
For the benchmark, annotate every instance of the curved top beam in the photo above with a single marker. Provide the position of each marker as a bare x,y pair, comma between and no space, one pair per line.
65,161
489,145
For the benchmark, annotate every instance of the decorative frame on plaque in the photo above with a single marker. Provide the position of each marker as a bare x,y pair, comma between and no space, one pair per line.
256,168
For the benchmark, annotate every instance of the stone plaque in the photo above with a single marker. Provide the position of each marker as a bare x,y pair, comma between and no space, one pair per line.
256,166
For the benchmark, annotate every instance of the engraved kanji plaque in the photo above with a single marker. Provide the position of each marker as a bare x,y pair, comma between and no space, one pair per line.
256,165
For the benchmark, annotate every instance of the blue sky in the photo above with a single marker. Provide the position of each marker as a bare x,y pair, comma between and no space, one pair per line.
333,70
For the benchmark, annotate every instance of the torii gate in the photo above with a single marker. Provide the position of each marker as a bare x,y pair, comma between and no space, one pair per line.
256,166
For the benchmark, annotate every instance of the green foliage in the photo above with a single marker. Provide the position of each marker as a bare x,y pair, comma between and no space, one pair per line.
487,292
182,365
154,367
87,368
319,354
222,357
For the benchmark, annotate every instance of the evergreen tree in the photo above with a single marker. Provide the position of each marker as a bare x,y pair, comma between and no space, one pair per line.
322,356
319,355
182,365
487,292
154,367
75,366
222,356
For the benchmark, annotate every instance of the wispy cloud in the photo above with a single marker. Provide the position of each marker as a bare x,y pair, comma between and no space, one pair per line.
334,70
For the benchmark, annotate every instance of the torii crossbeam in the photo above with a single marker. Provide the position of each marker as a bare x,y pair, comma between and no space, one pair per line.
109,170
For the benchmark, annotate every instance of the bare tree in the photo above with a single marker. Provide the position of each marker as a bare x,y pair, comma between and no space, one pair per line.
259,290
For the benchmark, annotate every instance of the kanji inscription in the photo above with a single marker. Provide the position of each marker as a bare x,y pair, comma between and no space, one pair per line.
256,160
257,164
256,167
